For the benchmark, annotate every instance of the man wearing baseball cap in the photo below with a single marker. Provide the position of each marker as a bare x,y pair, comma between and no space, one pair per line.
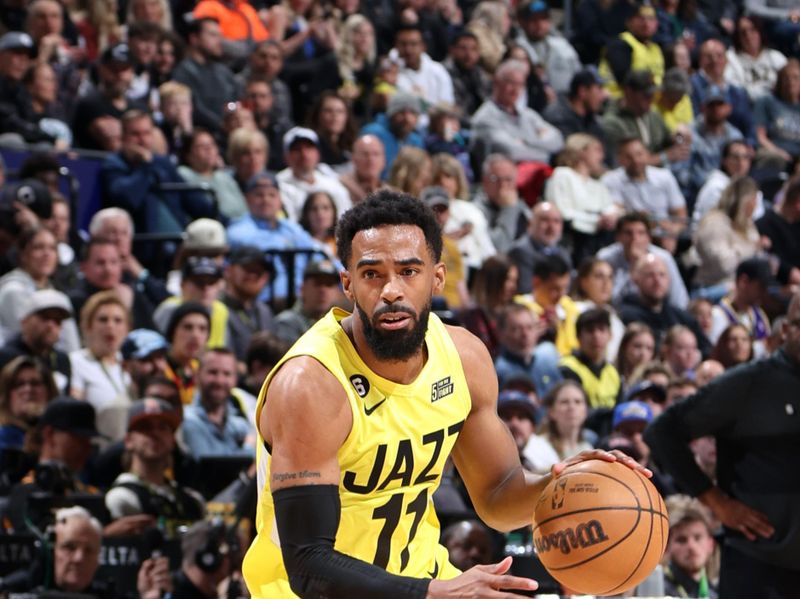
319,293
144,354
247,272
397,127
305,173
40,328
147,488
455,285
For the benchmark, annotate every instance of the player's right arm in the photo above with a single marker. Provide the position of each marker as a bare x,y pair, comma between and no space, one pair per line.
305,420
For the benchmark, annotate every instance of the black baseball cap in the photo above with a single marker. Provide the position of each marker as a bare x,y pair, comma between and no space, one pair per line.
70,415
585,78
31,193
641,81
118,54
201,266
16,41
321,268
248,254
511,399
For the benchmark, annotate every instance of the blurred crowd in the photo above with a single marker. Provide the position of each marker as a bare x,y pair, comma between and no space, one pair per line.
617,183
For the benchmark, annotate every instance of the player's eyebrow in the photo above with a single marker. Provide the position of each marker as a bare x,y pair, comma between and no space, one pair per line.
404,262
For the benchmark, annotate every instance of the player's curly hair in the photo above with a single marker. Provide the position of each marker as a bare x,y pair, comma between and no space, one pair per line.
383,208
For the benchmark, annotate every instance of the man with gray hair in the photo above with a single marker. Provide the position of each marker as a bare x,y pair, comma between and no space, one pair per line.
397,128
502,125
506,214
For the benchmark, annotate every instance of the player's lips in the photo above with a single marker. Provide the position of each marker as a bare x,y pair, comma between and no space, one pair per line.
394,320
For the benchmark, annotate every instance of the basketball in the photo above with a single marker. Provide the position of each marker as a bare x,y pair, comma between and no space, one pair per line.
600,528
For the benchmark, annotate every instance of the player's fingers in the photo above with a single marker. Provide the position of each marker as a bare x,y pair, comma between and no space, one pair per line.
758,523
500,567
628,461
510,583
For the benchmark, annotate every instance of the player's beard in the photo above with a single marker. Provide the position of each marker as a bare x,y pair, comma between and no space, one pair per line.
394,345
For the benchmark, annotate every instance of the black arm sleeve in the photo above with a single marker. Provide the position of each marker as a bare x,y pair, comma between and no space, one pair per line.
308,518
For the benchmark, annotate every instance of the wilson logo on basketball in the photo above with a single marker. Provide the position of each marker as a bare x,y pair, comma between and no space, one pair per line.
584,535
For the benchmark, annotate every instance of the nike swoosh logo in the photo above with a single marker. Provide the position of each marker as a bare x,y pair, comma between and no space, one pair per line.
369,411
435,570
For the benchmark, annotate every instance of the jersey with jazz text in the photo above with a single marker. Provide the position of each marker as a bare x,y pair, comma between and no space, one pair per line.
391,462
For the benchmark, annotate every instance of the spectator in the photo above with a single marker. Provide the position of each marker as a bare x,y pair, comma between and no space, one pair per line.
263,353
146,487
542,239
700,308
726,236
710,133
756,522
519,414
259,98
564,428
97,373
369,161
16,50
168,54
26,387
101,270
471,83
522,350
239,24
305,173
634,50
143,43
247,272
212,83
550,302
454,290
633,242
547,49
587,365
466,223
707,372
332,120
629,420
679,352
674,102
743,304
468,543
690,549
318,294
211,427
40,326
776,117
176,115
263,228
419,74
752,65
505,212
491,24
397,127
411,171
144,355
266,63
712,61
76,553
679,389
357,59
734,347
196,579
445,135
594,285
248,154
578,110
782,227
45,109
99,111
187,334
498,126
201,283
597,23
584,202
683,21
493,289
649,305
633,117
200,162
150,11
637,348
37,259
639,187
735,163
131,180
318,217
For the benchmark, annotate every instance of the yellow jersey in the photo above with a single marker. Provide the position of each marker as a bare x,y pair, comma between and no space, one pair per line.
391,461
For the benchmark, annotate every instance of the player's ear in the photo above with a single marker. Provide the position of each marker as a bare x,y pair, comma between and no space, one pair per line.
439,275
346,281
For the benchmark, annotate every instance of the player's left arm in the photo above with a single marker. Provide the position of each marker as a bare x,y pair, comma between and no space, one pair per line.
503,493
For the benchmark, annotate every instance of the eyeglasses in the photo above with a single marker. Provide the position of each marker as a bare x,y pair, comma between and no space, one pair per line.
496,179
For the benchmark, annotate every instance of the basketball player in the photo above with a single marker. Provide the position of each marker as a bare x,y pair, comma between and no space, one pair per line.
356,423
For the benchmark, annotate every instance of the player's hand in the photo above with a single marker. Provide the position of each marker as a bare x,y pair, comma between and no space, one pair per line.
482,582
598,454
737,516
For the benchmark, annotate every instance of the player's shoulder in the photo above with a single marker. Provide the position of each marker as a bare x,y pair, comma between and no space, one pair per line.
300,382
471,350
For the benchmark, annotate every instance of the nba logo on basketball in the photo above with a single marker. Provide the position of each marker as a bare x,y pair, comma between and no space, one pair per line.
441,389
559,493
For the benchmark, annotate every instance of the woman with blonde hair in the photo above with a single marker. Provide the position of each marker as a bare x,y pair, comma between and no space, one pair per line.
725,236
585,202
490,22
99,26
411,171
248,153
97,373
357,57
